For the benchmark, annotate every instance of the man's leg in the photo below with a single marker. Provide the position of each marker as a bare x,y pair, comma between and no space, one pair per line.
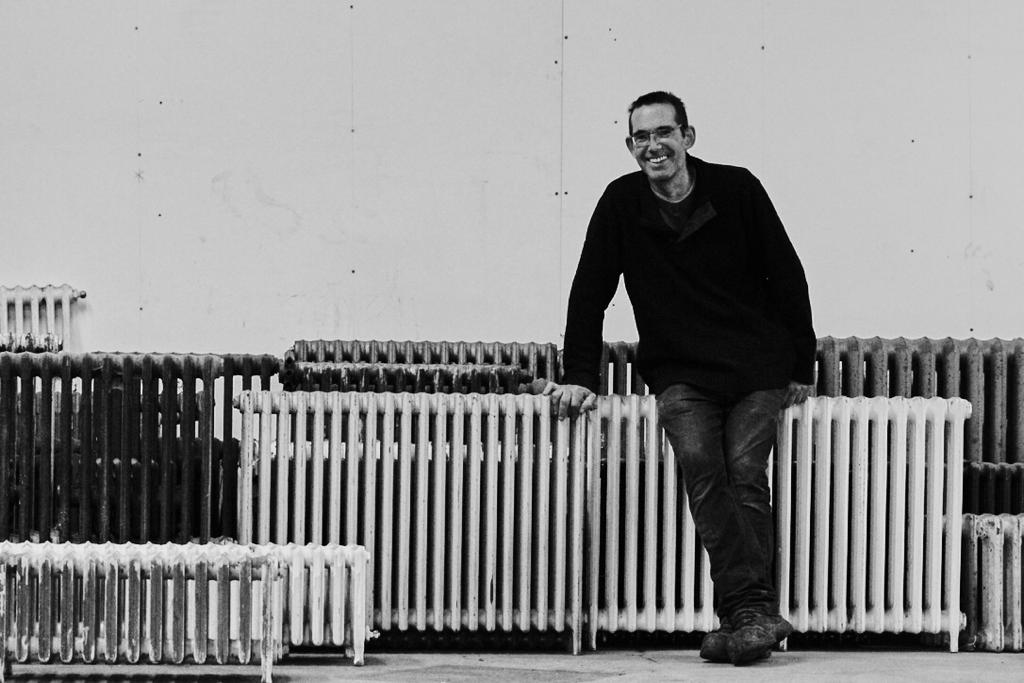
695,422
750,431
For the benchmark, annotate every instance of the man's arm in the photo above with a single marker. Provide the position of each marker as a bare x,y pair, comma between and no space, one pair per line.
787,290
594,285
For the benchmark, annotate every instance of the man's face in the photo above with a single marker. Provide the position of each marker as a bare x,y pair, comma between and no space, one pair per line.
662,157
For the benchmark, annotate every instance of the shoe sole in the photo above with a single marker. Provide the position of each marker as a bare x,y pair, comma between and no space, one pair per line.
722,657
716,656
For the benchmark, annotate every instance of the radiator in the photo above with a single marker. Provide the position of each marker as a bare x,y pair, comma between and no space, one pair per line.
172,602
868,513
29,319
471,505
539,360
646,569
992,581
865,513
399,377
62,470
322,598
122,603
994,488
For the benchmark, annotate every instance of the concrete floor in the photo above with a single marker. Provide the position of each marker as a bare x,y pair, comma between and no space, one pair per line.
605,665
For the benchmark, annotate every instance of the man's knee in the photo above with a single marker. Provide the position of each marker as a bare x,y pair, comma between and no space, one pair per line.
692,431
748,475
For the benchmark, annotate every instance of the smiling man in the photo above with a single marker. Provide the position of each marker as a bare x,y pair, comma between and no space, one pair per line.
726,341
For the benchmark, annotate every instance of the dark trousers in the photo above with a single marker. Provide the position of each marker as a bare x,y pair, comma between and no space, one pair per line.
722,444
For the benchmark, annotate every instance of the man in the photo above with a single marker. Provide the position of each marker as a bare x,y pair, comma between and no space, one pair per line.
724,321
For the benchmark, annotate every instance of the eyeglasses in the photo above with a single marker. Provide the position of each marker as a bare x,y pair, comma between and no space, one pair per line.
643,137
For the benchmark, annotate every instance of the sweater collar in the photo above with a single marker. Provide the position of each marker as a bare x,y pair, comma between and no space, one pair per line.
703,208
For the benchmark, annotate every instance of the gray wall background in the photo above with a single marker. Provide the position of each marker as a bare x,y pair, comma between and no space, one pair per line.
230,176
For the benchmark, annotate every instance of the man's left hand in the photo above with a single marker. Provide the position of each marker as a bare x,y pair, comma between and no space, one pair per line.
797,393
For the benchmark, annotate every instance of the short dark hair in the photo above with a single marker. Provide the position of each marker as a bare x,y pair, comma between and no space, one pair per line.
659,97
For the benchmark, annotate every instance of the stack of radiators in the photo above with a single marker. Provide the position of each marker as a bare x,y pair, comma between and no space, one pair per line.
398,377
124,603
125,448
537,360
36,318
471,505
118,447
989,374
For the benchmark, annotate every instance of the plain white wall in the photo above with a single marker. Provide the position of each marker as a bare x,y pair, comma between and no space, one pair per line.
232,176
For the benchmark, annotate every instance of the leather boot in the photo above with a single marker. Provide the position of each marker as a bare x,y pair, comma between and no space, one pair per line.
714,647
754,635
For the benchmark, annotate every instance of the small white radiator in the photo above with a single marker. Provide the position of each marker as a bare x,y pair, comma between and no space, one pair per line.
29,318
868,502
992,581
322,597
471,505
119,603
125,603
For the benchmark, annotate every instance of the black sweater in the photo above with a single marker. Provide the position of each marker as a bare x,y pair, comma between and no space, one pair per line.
722,306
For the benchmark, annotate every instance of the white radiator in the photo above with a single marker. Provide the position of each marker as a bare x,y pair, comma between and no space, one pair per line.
29,318
322,597
471,505
865,516
992,581
119,603
492,538
868,504
122,603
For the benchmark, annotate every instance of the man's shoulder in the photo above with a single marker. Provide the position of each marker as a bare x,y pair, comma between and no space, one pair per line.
725,176
722,173
628,184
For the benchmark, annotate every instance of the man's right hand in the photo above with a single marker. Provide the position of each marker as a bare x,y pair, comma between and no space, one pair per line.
570,399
